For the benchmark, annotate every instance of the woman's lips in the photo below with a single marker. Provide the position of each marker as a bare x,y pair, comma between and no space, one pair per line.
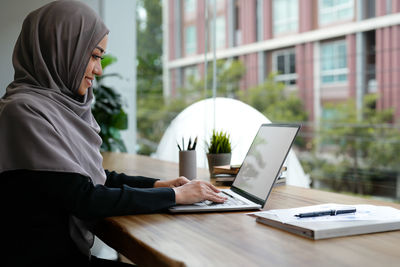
89,81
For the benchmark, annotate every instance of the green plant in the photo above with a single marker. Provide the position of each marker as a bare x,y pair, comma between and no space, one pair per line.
108,111
220,142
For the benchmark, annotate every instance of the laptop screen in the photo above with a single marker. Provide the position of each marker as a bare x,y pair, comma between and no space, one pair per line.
264,159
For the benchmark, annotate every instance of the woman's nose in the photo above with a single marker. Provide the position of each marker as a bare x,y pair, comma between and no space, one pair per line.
97,70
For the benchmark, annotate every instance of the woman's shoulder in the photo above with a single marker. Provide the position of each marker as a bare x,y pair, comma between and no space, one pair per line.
18,107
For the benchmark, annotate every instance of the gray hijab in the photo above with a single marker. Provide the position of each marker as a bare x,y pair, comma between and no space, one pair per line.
44,124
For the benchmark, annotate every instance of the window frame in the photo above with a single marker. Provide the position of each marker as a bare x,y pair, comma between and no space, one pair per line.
287,76
286,20
334,9
192,43
335,72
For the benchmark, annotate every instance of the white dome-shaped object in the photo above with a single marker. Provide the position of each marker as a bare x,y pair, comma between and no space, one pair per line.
236,118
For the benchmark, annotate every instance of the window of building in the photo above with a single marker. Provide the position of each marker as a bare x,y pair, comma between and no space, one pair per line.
238,32
333,62
220,32
284,63
285,16
259,20
190,74
388,6
190,40
335,10
190,6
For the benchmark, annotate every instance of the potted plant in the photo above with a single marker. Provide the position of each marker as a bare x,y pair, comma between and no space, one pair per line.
219,150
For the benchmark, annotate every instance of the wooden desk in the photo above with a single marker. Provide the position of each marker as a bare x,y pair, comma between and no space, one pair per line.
234,238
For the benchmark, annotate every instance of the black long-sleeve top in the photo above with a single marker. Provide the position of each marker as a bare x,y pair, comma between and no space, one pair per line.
37,206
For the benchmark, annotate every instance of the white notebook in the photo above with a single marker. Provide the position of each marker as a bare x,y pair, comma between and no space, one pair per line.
366,219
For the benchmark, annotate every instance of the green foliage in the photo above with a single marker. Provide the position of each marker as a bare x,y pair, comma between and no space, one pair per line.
277,104
363,145
155,113
108,111
220,142
354,136
150,101
229,74
272,99
149,28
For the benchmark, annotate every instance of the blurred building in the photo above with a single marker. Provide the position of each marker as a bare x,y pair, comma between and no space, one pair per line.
328,50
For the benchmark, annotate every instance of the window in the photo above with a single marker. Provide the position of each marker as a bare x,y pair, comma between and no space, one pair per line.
388,6
190,6
333,62
238,32
190,40
191,74
284,62
285,16
220,32
335,10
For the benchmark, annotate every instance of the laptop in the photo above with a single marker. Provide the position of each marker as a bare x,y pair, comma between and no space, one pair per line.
258,173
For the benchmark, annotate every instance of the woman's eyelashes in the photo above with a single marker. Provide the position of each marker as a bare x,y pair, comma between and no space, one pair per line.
97,57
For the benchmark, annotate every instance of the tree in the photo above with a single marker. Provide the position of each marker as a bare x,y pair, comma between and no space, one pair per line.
156,119
362,148
149,73
272,99
229,74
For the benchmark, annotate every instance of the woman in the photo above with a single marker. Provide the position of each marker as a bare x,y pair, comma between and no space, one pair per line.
53,185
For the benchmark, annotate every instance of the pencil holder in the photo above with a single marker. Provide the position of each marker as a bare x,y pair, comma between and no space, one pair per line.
187,164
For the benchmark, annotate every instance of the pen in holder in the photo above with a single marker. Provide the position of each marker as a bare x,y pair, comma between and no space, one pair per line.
187,164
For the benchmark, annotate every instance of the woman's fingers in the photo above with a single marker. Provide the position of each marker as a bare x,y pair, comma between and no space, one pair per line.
196,191
181,180
213,188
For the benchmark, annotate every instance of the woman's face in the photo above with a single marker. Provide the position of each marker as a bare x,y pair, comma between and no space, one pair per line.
94,66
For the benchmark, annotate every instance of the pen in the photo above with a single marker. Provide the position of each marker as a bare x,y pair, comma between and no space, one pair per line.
190,142
325,212
179,147
194,144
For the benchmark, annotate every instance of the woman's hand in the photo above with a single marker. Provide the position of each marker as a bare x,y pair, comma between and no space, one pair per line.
172,183
196,191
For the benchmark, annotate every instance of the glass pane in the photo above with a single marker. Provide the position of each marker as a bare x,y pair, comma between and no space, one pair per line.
342,78
327,57
285,16
326,3
324,152
280,64
190,6
342,56
292,60
190,40
327,78
220,32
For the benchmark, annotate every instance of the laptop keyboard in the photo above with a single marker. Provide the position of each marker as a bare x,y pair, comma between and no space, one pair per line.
231,201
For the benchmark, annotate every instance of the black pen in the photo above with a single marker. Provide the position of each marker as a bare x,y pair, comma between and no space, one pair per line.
325,212
194,144
190,142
